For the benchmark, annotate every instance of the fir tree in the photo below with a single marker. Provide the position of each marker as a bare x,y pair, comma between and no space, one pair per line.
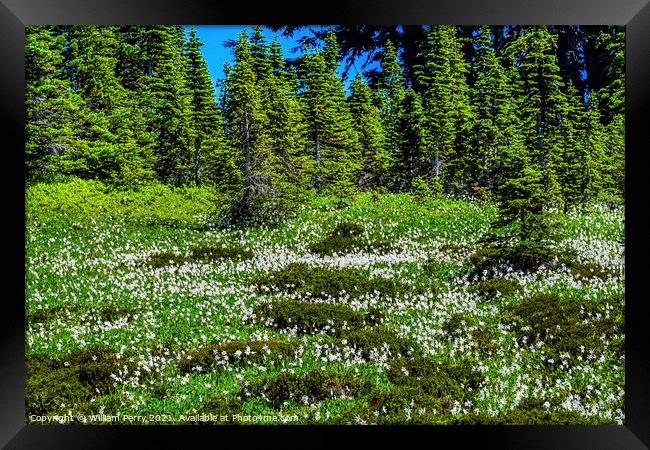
115,145
495,124
413,139
442,80
391,92
206,117
247,126
54,112
374,157
571,161
335,143
291,161
542,93
167,99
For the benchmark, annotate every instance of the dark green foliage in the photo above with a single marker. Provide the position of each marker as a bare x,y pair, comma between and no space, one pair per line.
345,238
316,385
454,249
435,270
237,352
347,229
112,313
496,287
208,136
333,138
392,404
591,270
369,338
375,158
489,258
564,325
323,282
51,383
203,255
225,408
467,110
310,317
43,315
468,327
532,412
435,378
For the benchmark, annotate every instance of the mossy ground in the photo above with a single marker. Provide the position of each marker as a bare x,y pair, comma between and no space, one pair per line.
260,322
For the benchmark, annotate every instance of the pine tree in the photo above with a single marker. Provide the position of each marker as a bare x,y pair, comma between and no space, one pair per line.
166,98
206,117
413,140
374,158
54,112
495,124
335,143
247,128
442,80
115,144
542,92
391,92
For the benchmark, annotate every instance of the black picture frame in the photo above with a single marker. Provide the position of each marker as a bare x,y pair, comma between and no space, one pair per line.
15,14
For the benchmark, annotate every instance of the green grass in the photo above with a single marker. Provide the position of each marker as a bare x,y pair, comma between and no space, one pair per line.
387,324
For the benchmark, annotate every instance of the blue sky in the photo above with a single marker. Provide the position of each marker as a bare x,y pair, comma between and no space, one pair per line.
216,54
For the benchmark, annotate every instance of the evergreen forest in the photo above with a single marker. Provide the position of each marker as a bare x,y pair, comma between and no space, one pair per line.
383,225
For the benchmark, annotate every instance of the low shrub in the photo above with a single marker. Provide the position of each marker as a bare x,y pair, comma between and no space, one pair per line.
235,352
55,384
490,258
324,282
313,386
563,325
345,238
369,338
310,317
397,405
496,287
44,315
591,270
223,409
432,378
463,326
531,412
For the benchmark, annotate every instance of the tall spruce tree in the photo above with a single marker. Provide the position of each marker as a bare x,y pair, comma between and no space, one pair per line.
495,125
413,141
167,99
54,112
291,160
334,141
543,102
376,161
206,117
248,133
391,92
570,162
441,78
115,145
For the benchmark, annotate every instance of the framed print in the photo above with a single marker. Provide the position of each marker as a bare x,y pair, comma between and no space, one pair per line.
421,218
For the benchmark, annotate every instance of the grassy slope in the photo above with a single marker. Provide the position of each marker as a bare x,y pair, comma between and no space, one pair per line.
89,287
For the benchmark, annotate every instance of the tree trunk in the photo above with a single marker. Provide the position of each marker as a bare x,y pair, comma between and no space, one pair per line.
317,181
197,161
540,142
